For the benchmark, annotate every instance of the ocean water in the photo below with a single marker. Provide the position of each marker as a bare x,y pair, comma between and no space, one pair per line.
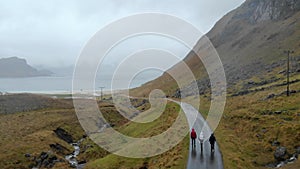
57,84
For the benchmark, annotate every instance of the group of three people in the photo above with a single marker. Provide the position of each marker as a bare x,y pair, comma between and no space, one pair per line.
212,140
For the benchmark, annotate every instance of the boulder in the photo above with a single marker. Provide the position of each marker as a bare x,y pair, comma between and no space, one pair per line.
27,155
276,143
298,150
44,155
271,165
58,148
280,153
82,162
62,134
46,160
271,96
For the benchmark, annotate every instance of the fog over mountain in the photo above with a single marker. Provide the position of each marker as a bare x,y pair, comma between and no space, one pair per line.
52,33
14,67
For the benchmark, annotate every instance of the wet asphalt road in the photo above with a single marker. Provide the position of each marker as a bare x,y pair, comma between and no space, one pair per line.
198,159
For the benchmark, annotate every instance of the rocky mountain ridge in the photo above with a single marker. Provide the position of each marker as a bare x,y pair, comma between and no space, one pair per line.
250,41
262,10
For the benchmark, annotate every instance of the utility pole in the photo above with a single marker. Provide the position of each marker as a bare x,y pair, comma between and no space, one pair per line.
101,88
288,71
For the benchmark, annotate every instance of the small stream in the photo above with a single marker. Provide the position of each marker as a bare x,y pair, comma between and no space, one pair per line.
283,163
72,158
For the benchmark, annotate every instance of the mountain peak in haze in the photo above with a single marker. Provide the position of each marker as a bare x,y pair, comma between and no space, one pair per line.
16,67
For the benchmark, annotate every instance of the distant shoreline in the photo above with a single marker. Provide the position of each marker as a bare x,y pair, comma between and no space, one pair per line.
59,92
57,85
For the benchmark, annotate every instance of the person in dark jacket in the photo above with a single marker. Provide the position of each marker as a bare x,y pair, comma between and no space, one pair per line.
193,137
212,140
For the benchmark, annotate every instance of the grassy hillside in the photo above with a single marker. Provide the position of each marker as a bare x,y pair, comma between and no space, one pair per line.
31,133
248,45
250,42
258,115
252,123
30,102
174,158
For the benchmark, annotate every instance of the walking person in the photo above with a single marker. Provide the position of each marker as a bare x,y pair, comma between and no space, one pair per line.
201,139
212,140
193,137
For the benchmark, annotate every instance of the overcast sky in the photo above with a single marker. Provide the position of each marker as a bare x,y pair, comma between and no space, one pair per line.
53,32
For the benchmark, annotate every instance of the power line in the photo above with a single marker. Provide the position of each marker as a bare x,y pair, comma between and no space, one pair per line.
288,52
101,88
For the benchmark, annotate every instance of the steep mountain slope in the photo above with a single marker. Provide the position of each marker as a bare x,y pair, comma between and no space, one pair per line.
255,35
250,41
259,118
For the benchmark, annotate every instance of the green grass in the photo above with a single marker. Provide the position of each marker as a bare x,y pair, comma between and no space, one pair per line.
32,132
153,128
241,137
245,132
174,158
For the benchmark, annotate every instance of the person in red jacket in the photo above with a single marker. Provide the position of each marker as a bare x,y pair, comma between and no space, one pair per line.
193,137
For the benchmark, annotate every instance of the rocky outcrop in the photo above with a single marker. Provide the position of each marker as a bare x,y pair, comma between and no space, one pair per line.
280,153
45,160
64,135
249,40
262,10
58,148
298,150
282,156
